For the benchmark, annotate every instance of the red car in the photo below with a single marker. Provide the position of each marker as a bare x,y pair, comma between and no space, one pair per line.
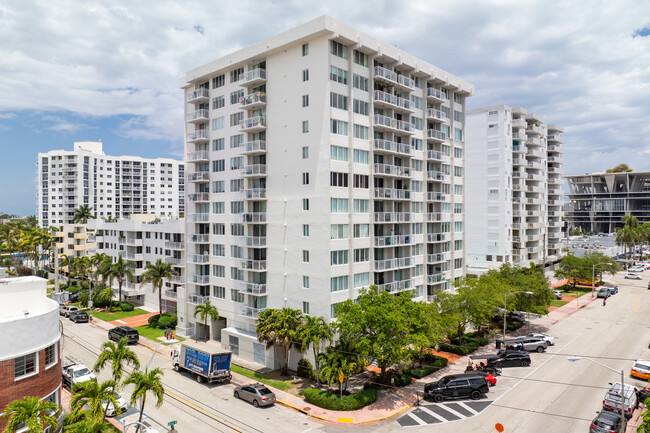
489,377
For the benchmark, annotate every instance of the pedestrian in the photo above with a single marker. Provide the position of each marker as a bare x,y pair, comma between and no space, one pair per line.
605,301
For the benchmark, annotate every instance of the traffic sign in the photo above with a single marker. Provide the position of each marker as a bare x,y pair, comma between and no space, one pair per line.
341,377
171,424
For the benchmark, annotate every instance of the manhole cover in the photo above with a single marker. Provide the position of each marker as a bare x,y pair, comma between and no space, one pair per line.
306,408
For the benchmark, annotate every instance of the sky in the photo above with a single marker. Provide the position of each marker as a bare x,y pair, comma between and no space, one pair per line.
111,70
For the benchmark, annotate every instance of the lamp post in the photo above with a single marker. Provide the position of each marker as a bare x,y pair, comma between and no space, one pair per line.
578,358
505,310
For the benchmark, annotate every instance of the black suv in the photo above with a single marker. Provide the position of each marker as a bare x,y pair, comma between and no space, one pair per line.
127,332
510,358
457,386
79,316
606,422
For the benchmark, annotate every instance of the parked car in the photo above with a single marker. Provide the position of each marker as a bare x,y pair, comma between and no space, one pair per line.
119,332
637,269
510,358
257,394
65,310
529,344
558,294
603,292
79,316
612,290
632,276
548,338
612,399
121,405
641,369
74,373
489,377
606,422
457,386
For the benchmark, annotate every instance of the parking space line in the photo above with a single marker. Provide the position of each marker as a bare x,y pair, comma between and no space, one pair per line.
453,412
467,408
433,414
417,419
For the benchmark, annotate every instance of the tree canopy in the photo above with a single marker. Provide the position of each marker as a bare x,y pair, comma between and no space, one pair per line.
621,168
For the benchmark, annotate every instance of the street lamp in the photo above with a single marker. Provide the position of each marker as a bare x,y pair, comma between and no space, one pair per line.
578,358
505,310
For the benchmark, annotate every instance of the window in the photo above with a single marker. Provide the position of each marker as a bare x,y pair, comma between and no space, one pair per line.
236,163
458,152
218,144
218,229
237,229
236,140
360,107
458,98
458,245
360,156
305,49
458,226
360,181
236,207
236,274
362,279
458,116
218,271
339,75
235,118
305,204
458,134
360,82
305,230
234,96
218,250
361,206
338,153
219,292
236,185
25,365
416,144
234,75
339,257
361,255
236,252
218,102
458,208
458,263
458,171
338,179
219,81
305,75
339,283
334,309
50,355
361,230
305,307
305,256
338,127
338,205
417,123
218,207
416,101
305,178
338,101
360,58
218,186
217,124
305,152
305,126
305,100
338,231
338,49
305,281
361,132
458,189
236,296
218,165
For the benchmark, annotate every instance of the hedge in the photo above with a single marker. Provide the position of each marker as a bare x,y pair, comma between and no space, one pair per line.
333,401
167,321
469,340
127,306
73,289
402,379
153,320
466,349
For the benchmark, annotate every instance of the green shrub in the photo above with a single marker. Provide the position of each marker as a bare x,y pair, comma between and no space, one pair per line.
153,320
402,379
127,306
73,289
332,401
421,372
513,325
167,321
305,369
466,349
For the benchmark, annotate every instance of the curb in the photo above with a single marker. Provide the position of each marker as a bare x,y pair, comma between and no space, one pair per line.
290,406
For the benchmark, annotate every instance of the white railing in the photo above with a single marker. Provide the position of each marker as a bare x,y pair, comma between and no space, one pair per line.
436,135
439,216
175,261
245,310
436,237
436,196
254,265
395,240
392,217
383,265
253,241
396,286
201,134
393,123
436,175
253,146
254,193
198,93
198,176
252,288
199,238
378,95
390,169
199,279
199,258
254,217
392,146
253,170
171,294
435,93
437,114
197,299
254,75
200,155
395,194
198,217
253,98
253,122
202,114
436,155
435,278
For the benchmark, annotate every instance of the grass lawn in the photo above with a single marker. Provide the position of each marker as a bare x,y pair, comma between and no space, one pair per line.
119,315
558,303
152,333
283,385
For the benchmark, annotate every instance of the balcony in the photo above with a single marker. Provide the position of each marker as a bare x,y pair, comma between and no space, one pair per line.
176,261
393,241
435,278
254,265
554,148
534,129
195,299
252,101
198,136
391,147
175,245
252,288
438,156
519,123
392,78
252,78
392,194
199,258
254,124
437,176
199,197
436,136
172,294
437,258
179,279
254,170
437,115
383,99
198,116
436,237
435,95
199,238
246,311
198,156
254,194
555,159
80,247
556,138
556,170
200,176
134,256
392,217
438,217
253,241
256,147
199,279
392,170
437,196
534,141
382,122
198,217
197,96
396,286
389,264
254,217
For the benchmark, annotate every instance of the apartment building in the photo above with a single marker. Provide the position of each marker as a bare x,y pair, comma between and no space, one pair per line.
112,186
74,240
598,201
320,161
144,239
513,207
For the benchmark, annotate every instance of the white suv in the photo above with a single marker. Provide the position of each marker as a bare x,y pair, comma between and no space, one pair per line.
632,276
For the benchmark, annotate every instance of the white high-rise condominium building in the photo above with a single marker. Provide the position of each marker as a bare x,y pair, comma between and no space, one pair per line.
320,161
112,186
513,191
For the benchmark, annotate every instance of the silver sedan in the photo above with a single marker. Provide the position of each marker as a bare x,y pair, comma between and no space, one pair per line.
256,393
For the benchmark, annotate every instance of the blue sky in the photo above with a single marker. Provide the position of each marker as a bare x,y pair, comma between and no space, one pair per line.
110,70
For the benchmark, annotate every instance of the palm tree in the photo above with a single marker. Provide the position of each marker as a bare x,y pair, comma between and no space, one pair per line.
121,270
32,412
337,360
277,328
88,426
82,214
93,394
313,331
155,274
146,381
204,311
118,355
68,262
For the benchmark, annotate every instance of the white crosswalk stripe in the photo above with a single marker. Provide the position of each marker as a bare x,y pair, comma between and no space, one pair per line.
467,408
433,414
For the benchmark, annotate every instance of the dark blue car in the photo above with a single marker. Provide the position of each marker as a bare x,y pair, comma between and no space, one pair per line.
613,290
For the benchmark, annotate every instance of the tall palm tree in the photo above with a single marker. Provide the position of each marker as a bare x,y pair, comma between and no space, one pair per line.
312,332
94,395
335,361
88,426
277,328
144,382
118,355
155,274
82,214
104,269
205,311
628,236
32,412
121,270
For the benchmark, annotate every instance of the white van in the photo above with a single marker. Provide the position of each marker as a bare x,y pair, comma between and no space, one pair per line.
612,400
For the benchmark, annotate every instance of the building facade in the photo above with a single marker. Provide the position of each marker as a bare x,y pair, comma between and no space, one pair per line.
30,360
74,240
597,201
112,186
320,161
513,207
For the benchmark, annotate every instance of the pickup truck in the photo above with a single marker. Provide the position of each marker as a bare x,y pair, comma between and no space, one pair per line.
76,373
207,362
65,310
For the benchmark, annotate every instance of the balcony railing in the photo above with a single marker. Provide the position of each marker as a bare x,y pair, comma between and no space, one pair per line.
197,299
436,237
198,94
437,258
254,265
393,194
254,123
436,94
434,134
200,135
253,241
438,217
254,170
437,155
437,196
393,241
392,146
198,176
389,122
171,294
256,99
392,170
396,286
254,217
383,74
253,77
199,279
199,196
254,194
393,100
252,147
245,310
392,217
199,258
175,245
252,288
198,156
198,217
437,115
435,278
199,238
384,265
198,115
177,261
436,175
